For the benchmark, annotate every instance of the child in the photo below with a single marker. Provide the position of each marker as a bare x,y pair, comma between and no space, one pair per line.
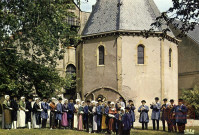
144,117
118,122
126,121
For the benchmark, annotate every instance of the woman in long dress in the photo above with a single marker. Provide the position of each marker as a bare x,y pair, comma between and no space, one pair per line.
7,112
112,112
52,114
80,116
37,114
64,120
94,111
75,120
21,115
105,110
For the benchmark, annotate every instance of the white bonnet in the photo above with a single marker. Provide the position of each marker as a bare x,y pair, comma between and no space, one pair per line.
6,96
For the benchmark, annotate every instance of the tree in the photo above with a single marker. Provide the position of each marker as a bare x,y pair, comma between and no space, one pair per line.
192,100
184,11
33,36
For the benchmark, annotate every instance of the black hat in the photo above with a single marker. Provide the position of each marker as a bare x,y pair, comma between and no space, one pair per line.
109,102
165,99
29,97
171,100
88,101
118,109
127,108
143,101
156,98
71,98
44,97
130,101
60,98
121,97
180,100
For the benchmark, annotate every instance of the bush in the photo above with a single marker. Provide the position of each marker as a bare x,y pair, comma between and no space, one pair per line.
191,97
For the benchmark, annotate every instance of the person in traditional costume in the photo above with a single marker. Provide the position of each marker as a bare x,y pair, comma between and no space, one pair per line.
64,120
29,111
59,112
105,111
121,101
37,114
144,117
118,122
44,114
155,113
75,119
171,117
107,117
90,118
132,111
164,117
15,107
80,116
71,113
181,116
85,116
99,115
94,111
21,115
112,112
52,113
126,121
7,113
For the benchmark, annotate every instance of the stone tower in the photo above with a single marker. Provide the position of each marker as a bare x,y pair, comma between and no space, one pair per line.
116,59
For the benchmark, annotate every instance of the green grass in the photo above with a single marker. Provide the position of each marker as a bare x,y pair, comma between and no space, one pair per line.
136,131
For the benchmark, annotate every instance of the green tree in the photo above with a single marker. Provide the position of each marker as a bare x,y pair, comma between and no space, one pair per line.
192,100
184,11
33,36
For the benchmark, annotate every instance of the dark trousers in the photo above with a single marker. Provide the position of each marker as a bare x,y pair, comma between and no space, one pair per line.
126,132
99,121
163,125
157,121
144,124
70,123
181,127
44,123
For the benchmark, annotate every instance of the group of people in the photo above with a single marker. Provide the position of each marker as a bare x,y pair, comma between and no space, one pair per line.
93,116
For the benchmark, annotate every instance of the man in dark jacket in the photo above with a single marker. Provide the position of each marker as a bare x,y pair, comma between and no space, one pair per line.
181,115
15,108
164,117
28,113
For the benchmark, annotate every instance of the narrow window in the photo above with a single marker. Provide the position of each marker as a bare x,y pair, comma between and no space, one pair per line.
101,55
140,54
170,55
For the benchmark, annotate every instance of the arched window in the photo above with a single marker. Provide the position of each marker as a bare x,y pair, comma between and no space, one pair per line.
170,57
140,54
101,55
70,69
70,74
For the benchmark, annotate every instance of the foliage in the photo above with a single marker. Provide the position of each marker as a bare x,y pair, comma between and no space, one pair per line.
184,15
191,99
33,37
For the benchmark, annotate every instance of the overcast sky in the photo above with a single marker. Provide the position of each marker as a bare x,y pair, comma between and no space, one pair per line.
163,5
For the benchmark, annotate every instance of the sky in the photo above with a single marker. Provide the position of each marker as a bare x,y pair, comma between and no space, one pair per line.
163,5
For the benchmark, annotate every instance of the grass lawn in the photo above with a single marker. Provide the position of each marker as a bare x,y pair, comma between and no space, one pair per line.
136,131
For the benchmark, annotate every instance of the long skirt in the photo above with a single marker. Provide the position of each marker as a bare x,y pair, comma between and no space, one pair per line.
7,119
95,123
111,124
75,121
80,122
104,126
21,118
52,119
64,120
35,122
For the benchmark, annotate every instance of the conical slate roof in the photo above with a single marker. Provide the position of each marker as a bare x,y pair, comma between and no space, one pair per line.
112,15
